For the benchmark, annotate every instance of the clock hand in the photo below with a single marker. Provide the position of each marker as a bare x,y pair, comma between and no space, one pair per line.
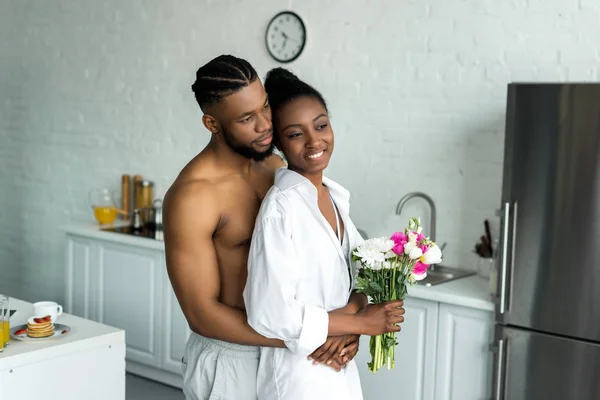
285,36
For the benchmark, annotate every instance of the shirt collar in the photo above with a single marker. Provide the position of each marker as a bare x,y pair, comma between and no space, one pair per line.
286,179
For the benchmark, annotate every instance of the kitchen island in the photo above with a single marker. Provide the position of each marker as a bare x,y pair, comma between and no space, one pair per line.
88,362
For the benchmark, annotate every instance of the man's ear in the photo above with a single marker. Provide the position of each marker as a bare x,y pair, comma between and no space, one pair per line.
210,123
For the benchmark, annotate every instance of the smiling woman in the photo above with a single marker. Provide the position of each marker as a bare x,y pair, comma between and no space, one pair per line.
300,278
304,134
301,122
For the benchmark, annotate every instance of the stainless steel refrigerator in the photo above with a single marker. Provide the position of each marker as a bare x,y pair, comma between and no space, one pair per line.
547,334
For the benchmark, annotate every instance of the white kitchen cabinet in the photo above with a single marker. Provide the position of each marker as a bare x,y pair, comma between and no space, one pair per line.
79,265
413,376
463,359
130,297
127,287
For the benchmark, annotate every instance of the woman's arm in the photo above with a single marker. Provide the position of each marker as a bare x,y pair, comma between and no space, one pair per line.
357,302
271,304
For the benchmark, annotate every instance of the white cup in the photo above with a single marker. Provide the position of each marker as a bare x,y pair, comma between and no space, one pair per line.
43,308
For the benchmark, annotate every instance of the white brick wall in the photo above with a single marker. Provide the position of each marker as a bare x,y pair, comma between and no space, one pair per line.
90,90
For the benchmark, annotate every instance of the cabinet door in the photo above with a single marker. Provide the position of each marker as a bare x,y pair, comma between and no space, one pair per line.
130,298
412,378
176,328
464,360
79,270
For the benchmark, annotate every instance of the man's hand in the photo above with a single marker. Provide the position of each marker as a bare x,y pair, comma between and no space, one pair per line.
336,351
351,348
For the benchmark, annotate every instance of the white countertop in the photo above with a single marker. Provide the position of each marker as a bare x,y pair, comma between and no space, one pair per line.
472,291
84,335
93,230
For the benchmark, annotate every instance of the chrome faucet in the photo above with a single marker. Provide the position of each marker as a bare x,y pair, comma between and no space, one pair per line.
429,201
432,216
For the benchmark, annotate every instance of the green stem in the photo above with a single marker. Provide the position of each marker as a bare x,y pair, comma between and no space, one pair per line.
375,355
394,278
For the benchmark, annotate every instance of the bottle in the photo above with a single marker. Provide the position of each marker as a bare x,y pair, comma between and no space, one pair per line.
125,195
145,189
136,220
135,190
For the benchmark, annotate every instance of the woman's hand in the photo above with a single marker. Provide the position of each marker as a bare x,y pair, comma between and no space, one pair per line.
377,319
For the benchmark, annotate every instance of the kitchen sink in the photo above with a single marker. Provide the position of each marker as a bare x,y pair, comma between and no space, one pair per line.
438,274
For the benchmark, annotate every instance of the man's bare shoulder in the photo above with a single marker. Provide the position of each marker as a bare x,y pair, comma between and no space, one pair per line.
182,204
195,184
274,161
194,189
189,191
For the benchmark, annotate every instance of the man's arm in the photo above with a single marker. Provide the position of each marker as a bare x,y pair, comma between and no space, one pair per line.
191,216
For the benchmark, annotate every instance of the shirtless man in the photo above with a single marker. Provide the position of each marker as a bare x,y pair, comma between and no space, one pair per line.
209,216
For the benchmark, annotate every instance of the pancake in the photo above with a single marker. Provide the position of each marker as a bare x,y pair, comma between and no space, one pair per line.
40,327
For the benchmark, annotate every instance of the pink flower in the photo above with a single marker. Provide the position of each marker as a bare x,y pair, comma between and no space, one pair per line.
419,268
400,239
424,248
420,237
399,248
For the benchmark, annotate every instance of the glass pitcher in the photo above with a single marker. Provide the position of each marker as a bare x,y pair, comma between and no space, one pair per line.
103,202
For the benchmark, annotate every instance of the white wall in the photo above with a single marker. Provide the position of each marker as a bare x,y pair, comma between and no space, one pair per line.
90,90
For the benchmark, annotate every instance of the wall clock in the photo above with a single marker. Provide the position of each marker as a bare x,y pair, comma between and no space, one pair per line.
286,36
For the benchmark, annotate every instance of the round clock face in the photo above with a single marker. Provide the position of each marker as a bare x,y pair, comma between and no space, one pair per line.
286,36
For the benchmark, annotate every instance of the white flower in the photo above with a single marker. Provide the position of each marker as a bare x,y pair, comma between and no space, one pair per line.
388,265
432,256
377,266
415,253
419,230
382,244
370,254
419,277
408,247
412,237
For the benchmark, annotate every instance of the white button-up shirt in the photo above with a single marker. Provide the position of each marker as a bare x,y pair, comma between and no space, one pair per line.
297,273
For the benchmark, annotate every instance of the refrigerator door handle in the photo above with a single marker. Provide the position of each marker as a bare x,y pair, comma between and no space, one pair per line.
504,269
512,257
499,349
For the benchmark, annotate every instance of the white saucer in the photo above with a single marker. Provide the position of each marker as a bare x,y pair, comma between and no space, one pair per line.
60,331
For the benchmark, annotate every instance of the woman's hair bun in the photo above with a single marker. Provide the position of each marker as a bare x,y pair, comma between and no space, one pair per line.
280,74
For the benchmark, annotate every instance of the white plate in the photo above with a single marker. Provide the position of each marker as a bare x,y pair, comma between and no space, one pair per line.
60,330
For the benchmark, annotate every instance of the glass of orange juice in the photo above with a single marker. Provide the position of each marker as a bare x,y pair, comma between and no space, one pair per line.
6,322
104,205
4,315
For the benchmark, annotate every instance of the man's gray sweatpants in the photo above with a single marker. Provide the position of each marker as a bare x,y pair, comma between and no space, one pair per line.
217,370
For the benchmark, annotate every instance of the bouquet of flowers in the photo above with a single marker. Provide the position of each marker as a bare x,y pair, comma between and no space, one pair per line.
387,267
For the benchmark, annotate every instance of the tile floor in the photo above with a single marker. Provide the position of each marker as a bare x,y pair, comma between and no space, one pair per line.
138,388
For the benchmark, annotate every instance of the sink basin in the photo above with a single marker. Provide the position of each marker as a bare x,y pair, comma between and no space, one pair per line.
438,274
